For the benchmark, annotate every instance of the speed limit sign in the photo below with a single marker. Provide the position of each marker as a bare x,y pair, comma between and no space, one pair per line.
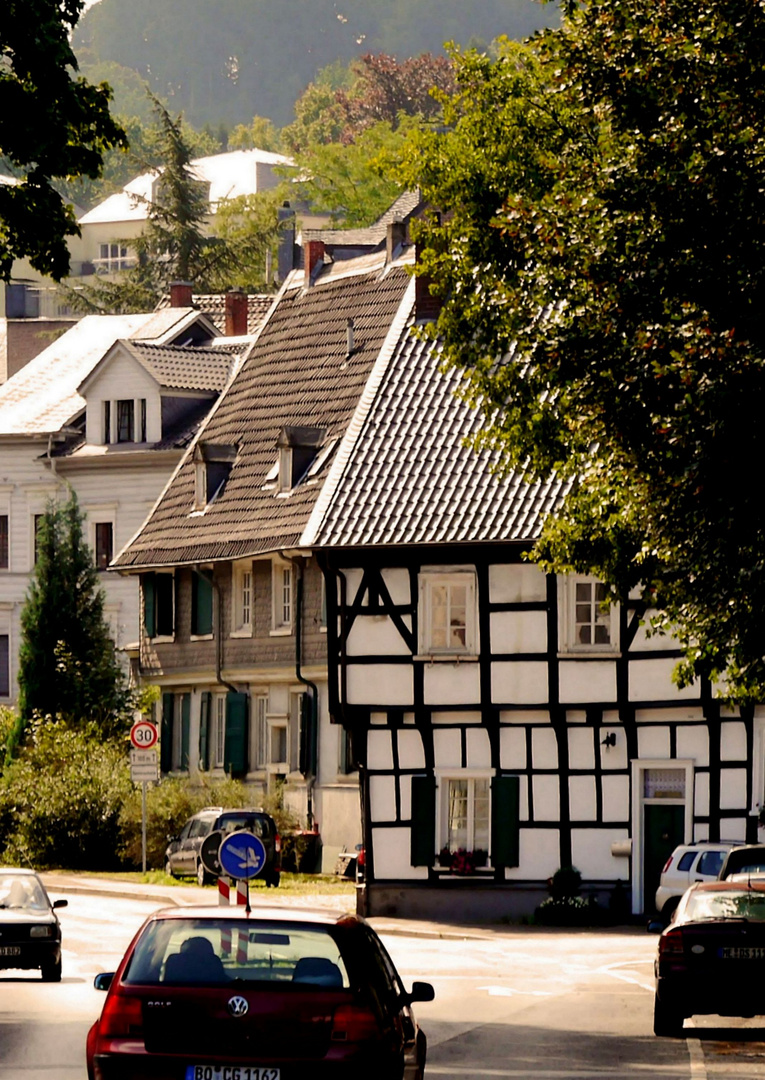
143,735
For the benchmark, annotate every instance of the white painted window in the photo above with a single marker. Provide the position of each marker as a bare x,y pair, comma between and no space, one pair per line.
278,749
448,614
219,731
295,730
588,623
259,733
242,608
464,813
281,581
112,258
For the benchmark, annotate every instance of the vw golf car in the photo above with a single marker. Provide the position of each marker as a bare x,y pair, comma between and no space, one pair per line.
273,994
30,933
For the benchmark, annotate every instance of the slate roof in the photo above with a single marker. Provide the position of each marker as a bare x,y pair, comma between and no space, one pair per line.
298,373
185,367
409,478
214,307
42,396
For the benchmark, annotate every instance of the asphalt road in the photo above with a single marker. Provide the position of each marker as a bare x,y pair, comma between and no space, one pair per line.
547,1005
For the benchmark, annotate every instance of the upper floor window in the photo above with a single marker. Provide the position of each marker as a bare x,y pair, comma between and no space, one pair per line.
104,535
448,613
242,607
158,592
4,542
282,596
590,624
125,421
213,463
37,520
112,258
201,605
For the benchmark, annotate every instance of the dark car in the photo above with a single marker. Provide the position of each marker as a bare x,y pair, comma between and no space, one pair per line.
182,856
710,957
748,859
272,994
30,933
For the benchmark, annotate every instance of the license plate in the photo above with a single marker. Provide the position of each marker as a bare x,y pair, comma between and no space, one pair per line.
231,1072
10,950
743,952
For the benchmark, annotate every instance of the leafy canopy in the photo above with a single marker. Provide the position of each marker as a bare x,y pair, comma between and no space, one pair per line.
54,125
603,200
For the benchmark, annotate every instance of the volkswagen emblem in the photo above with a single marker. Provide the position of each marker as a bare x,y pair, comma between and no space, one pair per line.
237,1006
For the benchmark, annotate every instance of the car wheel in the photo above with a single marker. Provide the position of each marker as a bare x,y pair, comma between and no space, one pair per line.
169,868
203,878
667,1021
51,972
272,881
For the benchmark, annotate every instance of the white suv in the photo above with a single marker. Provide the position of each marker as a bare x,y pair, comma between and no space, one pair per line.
689,863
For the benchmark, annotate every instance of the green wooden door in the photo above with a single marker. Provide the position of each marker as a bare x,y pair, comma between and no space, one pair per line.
664,829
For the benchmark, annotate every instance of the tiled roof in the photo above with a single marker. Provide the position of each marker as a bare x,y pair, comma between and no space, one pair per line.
177,367
214,307
409,479
373,235
298,374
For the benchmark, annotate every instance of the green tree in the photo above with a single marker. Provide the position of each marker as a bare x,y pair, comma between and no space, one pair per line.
53,124
68,667
603,238
259,134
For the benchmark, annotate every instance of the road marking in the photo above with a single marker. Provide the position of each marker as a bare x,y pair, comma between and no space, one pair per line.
508,991
550,1074
696,1054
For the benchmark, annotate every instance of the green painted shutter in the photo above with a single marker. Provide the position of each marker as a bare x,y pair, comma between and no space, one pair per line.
505,820
204,730
202,606
149,606
307,735
166,734
185,729
423,848
235,755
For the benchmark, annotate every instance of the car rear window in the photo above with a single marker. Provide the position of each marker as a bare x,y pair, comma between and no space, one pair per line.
254,823
731,904
686,862
217,952
710,863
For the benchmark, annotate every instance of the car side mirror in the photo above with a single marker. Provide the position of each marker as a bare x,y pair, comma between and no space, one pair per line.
103,980
421,991
655,926
60,903
171,839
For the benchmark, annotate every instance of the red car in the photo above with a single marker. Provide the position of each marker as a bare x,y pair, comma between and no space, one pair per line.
274,994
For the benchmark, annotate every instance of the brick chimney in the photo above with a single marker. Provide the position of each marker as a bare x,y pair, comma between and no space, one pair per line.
427,307
180,294
236,313
314,256
395,238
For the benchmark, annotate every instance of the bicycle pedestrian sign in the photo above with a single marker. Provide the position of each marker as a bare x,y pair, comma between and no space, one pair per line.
242,855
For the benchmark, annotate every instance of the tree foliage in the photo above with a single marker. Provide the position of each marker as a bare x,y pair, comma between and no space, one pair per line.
602,251
68,667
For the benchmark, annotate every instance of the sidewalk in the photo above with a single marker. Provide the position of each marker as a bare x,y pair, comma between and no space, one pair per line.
190,895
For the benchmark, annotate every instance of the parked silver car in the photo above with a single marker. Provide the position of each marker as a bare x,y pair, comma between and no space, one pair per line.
688,864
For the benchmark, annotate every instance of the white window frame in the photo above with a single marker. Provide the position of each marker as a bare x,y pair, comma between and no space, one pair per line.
218,732
259,733
276,722
282,597
101,514
638,801
567,620
428,581
113,257
443,777
242,607
5,511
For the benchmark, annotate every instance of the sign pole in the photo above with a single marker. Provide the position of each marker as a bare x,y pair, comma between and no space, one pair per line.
143,825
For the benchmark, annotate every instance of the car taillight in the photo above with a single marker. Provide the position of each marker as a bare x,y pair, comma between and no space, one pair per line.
277,843
354,1023
667,865
361,858
670,944
121,1016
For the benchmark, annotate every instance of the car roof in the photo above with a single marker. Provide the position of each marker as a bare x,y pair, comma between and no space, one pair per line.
22,870
270,914
753,885
709,843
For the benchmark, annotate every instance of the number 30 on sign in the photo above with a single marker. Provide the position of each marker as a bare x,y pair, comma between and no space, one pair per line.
143,735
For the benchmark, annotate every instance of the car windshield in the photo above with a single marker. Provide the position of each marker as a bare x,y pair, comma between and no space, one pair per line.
25,893
233,822
733,904
212,952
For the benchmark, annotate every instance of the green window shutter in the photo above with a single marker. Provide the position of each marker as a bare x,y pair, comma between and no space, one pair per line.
505,820
235,755
204,730
166,734
185,729
201,606
307,735
149,606
423,848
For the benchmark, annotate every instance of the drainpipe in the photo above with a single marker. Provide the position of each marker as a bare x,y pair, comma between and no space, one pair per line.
297,566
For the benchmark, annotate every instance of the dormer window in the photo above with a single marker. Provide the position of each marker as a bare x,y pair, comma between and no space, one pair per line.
124,421
298,448
213,463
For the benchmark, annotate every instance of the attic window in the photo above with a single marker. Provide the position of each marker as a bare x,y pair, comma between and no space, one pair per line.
298,448
213,463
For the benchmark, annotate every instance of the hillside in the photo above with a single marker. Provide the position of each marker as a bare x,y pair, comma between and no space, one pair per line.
224,61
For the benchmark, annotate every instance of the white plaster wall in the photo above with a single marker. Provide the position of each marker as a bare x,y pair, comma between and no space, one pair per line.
546,798
701,795
411,754
587,680
379,750
616,798
591,854
516,584
651,680
397,584
376,635
455,717
447,749
512,748
544,748
382,798
655,643
582,796
478,749
539,855
693,743
518,632
353,580
452,684
122,379
733,741
581,748
733,789
613,757
519,683
380,684
653,742
338,810
392,853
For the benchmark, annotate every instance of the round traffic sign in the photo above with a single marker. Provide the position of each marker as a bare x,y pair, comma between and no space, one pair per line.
143,735
208,853
242,855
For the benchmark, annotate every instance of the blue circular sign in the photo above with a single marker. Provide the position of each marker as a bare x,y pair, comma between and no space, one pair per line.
242,855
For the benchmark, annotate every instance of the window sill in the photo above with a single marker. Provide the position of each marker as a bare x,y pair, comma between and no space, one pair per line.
447,658
242,632
162,639
200,637
589,654
281,631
